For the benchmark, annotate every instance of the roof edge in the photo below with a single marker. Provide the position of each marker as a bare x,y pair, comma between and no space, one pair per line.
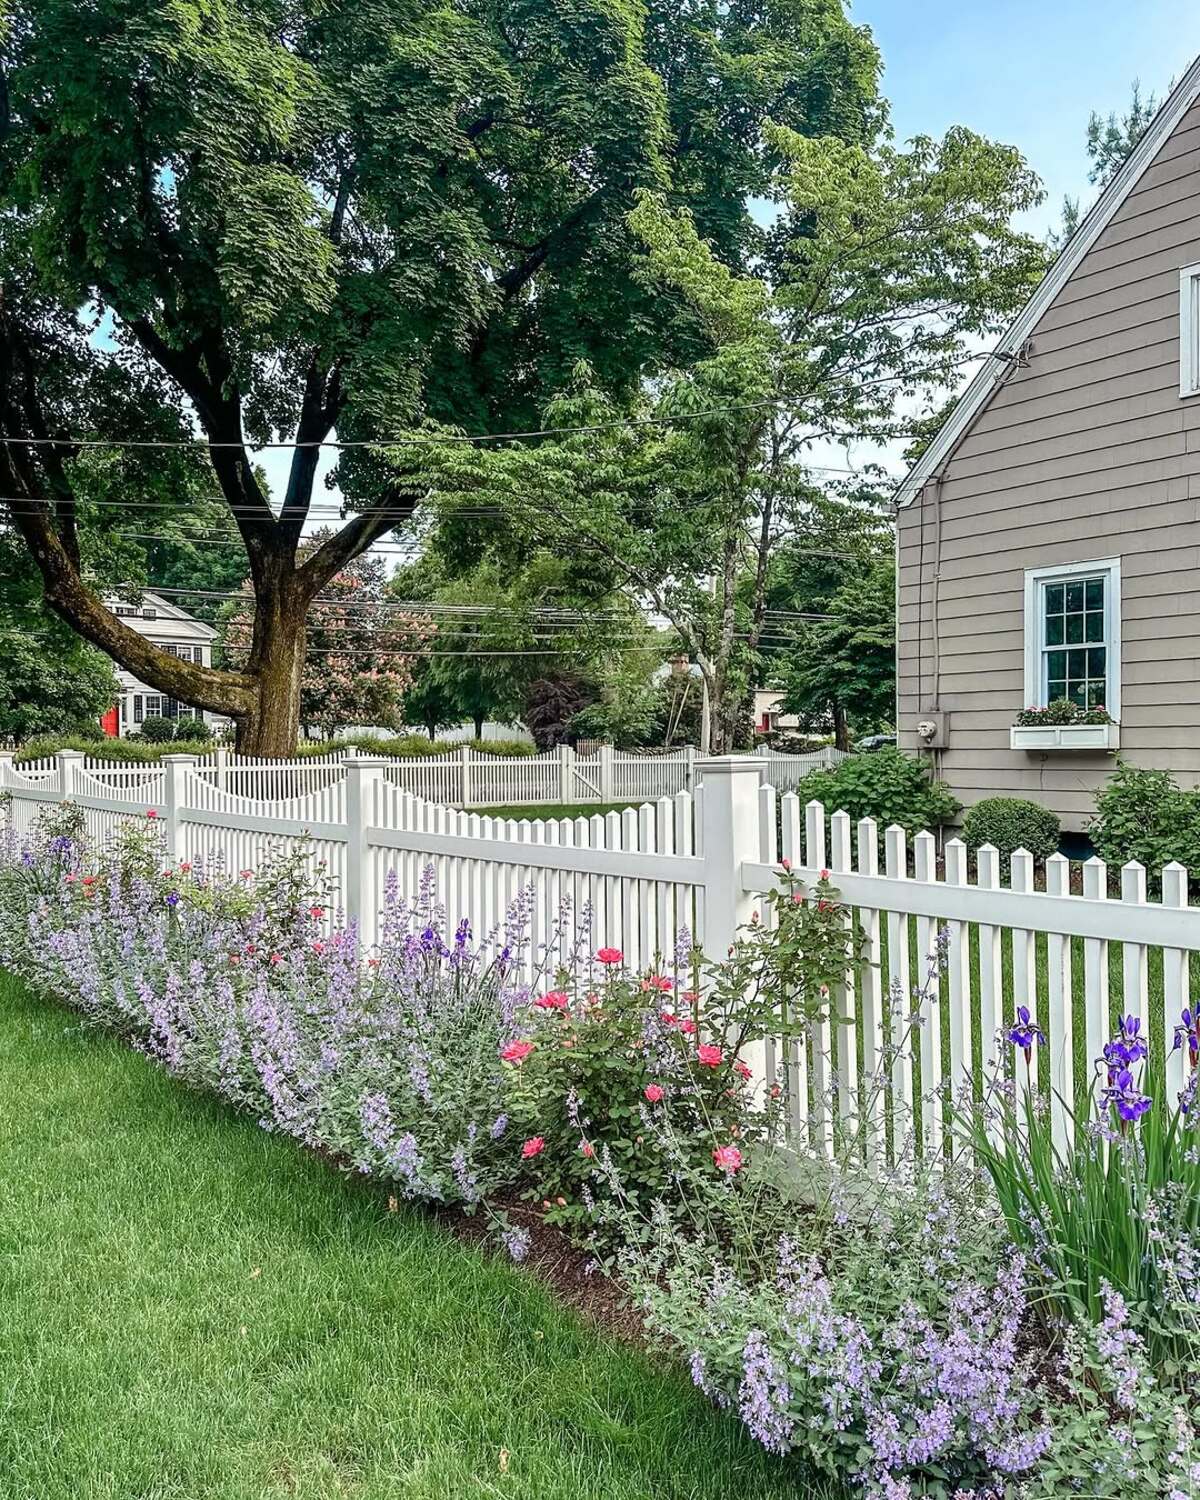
1101,214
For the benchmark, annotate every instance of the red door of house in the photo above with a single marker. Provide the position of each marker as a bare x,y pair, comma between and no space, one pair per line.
109,723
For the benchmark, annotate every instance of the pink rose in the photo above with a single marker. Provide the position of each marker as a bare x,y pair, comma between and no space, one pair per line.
553,1000
708,1055
688,1026
653,1093
152,812
825,874
728,1159
534,1146
587,1149
658,982
742,1069
516,1052
609,955
785,864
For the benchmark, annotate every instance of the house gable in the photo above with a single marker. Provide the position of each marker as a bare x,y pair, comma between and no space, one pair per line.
995,370
1083,455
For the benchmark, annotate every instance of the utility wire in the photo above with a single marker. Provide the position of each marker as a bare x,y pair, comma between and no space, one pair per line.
430,440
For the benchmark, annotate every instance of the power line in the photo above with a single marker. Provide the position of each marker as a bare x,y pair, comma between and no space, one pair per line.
430,440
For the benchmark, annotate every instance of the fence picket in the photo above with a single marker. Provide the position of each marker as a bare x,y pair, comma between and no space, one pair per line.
895,842
932,1100
1135,969
871,996
1095,965
1176,987
1059,1012
958,981
820,1032
844,1001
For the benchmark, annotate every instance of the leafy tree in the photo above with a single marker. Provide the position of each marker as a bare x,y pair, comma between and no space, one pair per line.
881,271
1109,142
51,682
360,648
284,220
843,669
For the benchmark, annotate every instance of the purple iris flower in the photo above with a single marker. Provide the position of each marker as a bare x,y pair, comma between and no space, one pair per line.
1188,1031
1025,1032
1126,1098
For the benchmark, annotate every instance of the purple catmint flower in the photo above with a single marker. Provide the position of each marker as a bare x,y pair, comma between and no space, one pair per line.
516,1241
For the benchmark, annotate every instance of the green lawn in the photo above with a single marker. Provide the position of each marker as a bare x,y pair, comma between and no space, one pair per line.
195,1310
540,812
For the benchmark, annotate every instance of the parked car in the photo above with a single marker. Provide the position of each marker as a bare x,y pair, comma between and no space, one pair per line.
874,741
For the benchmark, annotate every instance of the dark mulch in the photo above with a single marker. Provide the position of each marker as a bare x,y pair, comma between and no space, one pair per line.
569,1272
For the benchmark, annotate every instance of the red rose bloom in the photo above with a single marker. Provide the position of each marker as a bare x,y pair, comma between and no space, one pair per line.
708,1055
534,1146
653,1093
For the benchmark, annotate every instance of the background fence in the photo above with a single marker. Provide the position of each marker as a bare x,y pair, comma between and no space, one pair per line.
465,777
901,1035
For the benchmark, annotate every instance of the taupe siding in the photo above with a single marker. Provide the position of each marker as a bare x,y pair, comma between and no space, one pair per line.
1088,453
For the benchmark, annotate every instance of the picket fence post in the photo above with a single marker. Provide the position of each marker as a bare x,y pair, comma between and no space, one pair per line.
729,836
175,773
363,774
689,768
70,763
566,774
606,773
7,766
221,768
468,790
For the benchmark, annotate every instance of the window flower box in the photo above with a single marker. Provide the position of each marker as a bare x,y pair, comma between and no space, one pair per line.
1046,737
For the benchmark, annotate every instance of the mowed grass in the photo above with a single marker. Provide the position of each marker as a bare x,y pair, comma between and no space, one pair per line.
544,811
192,1309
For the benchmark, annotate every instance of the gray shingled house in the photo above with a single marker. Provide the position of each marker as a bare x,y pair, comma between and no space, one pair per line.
1049,538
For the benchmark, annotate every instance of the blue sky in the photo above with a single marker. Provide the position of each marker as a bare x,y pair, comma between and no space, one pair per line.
1027,72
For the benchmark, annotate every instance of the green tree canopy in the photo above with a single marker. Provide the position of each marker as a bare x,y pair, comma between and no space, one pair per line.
274,221
51,682
882,270
842,670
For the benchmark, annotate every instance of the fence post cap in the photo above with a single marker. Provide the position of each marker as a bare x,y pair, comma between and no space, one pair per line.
368,762
180,759
730,765
71,754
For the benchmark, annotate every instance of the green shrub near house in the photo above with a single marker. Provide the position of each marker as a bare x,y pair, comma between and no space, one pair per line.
887,785
1146,816
1009,824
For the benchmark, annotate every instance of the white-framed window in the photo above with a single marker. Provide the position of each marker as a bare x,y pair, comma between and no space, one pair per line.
1189,331
1073,635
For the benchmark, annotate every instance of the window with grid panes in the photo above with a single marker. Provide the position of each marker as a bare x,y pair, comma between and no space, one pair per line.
1075,641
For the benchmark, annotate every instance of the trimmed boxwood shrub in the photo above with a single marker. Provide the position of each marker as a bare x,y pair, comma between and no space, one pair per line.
1011,823
887,785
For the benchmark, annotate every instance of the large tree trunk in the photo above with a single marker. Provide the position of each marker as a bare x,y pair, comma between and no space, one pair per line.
271,725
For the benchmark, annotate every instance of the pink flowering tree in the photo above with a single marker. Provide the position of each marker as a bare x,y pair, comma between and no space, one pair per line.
360,651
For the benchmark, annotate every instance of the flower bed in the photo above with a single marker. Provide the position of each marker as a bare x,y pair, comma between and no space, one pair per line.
946,1333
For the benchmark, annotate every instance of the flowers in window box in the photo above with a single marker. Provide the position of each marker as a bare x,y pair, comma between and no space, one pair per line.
1062,712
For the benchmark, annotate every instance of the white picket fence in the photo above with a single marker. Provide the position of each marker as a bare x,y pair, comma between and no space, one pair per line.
703,860
465,777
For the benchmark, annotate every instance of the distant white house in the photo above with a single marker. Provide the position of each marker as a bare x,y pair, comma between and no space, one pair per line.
768,712
175,631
